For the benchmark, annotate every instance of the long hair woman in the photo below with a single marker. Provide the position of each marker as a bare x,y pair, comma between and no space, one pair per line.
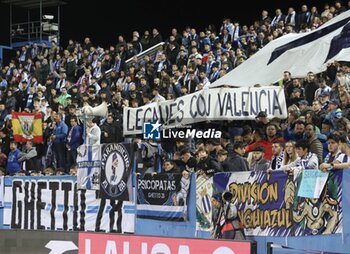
290,154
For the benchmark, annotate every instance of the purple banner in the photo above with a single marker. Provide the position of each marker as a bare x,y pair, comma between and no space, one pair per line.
268,204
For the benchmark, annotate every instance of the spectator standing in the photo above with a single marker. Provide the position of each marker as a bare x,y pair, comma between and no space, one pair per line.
310,87
29,157
58,137
93,133
110,131
13,164
73,141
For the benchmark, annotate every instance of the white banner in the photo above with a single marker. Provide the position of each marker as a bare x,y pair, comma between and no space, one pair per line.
54,203
89,167
312,183
296,53
212,104
204,192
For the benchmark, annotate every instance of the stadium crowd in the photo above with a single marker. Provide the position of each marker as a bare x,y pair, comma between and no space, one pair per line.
56,81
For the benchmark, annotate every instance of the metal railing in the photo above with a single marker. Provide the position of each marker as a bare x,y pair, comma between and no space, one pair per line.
150,52
31,31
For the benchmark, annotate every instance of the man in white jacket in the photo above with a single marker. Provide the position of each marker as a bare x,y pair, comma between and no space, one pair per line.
93,133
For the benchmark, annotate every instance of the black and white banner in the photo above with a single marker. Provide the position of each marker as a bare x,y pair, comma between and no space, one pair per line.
163,196
115,171
211,104
55,203
89,167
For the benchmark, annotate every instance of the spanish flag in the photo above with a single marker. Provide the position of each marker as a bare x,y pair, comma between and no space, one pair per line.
27,127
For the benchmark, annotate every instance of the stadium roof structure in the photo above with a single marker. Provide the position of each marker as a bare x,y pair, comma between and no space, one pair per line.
39,26
34,4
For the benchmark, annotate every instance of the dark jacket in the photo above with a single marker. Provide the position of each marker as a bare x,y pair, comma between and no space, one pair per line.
76,138
209,166
238,163
112,131
260,165
316,147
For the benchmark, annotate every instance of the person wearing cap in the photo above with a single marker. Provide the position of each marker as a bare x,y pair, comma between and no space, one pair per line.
259,163
324,99
333,109
324,88
261,120
343,160
304,107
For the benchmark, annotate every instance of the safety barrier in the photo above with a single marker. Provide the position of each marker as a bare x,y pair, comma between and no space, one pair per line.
334,243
